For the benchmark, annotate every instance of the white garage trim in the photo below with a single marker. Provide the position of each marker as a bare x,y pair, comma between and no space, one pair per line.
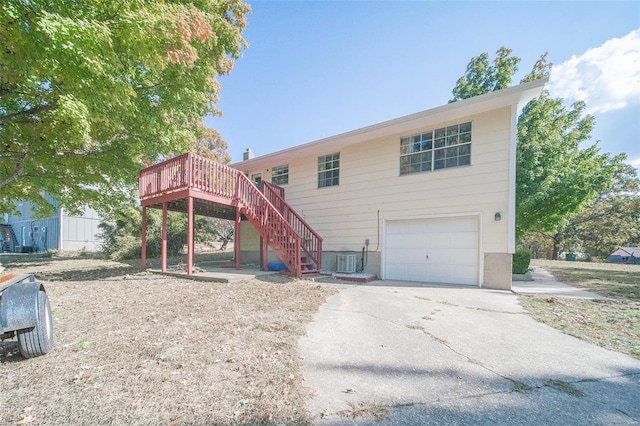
420,222
511,215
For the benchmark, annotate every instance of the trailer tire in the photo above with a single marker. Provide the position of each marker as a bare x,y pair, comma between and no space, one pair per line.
38,340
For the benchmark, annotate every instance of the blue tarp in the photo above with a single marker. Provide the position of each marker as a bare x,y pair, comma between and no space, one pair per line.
277,266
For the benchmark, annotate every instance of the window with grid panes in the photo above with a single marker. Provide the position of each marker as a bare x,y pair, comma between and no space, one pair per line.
436,149
280,175
329,170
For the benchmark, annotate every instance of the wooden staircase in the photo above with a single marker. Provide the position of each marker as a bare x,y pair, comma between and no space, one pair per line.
295,243
311,242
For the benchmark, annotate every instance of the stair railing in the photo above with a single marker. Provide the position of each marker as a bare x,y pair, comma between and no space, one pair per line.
311,242
280,235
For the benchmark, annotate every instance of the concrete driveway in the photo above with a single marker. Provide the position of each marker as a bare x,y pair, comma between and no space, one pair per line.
457,355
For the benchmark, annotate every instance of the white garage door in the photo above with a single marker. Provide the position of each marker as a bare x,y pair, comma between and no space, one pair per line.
442,250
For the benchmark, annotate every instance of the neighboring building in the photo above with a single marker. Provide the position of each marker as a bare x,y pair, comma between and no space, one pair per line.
427,197
625,255
24,233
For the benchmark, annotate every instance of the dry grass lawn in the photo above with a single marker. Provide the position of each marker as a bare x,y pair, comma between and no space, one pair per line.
611,324
141,349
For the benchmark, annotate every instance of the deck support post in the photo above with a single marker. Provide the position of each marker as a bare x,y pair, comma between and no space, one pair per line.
236,237
264,253
143,253
163,261
190,235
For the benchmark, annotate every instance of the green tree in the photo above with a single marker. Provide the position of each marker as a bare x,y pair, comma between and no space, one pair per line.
90,92
555,175
610,220
481,77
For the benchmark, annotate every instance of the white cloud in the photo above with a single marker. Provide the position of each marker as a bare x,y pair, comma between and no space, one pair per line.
606,77
635,162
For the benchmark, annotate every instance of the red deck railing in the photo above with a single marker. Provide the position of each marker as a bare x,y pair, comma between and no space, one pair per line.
213,178
283,229
188,171
164,178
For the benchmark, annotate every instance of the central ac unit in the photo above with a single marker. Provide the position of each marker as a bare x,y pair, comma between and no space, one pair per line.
346,263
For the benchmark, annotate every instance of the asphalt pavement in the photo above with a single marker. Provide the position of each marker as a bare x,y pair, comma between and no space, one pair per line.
453,355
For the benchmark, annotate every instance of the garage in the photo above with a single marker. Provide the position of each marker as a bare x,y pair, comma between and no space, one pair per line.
434,250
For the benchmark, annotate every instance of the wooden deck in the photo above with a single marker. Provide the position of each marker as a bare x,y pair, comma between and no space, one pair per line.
196,185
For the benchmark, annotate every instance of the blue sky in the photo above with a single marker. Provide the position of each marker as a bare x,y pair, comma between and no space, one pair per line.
320,68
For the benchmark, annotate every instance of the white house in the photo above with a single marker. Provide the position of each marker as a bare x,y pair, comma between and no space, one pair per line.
428,197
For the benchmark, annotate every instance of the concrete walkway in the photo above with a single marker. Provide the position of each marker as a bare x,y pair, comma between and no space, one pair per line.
434,355
215,274
544,283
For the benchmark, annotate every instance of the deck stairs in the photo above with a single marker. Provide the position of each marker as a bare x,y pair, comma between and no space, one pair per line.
310,243
9,239
295,243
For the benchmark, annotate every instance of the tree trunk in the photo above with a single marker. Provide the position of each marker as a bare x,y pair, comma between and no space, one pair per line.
557,239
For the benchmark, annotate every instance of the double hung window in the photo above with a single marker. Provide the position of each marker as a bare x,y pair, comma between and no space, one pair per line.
436,149
329,170
280,175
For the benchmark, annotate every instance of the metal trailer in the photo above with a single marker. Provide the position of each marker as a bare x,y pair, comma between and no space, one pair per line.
25,313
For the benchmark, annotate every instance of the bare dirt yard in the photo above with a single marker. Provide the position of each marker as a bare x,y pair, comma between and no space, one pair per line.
142,349
613,324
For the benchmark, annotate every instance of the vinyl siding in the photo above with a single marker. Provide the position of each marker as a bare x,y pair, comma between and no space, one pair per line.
78,232
347,214
81,232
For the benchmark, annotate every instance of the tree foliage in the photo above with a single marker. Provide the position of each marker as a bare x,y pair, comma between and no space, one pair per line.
211,145
556,176
482,77
92,91
610,220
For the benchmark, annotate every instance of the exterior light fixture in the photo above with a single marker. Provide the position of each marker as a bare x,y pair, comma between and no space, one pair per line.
497,217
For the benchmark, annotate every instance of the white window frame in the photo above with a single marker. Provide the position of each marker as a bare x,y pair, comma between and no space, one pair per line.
329,170
437,149
280,172
255,177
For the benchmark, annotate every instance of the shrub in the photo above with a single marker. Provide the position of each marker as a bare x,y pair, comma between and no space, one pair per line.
521,260
128,247
122,236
